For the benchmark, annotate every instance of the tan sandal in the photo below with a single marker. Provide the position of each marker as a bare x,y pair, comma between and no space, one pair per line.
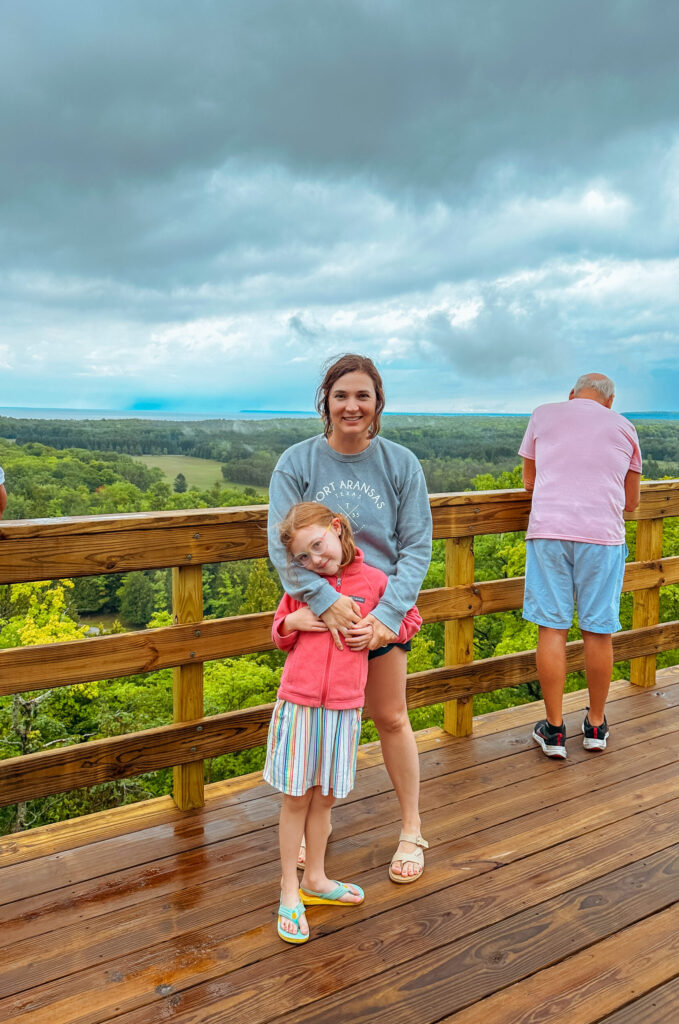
416,857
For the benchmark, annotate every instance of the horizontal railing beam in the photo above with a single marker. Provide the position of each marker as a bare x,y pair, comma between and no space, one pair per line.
105,760
124,654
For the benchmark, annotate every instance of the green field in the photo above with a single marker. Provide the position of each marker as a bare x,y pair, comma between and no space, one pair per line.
201,473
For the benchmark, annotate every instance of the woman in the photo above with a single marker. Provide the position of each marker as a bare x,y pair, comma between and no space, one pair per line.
380,487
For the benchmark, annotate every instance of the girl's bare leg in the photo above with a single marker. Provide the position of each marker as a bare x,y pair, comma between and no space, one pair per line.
316,830
386,704
290,831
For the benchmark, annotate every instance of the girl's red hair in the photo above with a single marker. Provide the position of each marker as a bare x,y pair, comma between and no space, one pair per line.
310,513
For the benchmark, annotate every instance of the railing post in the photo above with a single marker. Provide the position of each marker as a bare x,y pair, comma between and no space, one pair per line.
459,634
187,684
646,602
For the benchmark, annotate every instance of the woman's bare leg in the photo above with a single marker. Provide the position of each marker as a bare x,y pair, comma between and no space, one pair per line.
386,704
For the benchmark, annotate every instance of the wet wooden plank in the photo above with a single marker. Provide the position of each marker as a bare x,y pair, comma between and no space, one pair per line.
443,785
422,971
592,983
365,851
656,1007
126,931
226,948
468,970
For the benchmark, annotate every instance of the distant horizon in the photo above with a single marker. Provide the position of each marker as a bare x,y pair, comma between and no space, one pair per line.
44,412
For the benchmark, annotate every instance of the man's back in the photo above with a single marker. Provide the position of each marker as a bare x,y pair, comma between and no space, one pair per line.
583,452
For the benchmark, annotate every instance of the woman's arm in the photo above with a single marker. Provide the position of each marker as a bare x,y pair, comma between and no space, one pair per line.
302,584
413,529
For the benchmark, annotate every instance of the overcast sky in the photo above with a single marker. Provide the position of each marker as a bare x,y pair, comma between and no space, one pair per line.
203,201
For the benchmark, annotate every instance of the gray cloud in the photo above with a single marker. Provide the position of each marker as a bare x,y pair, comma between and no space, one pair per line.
181,179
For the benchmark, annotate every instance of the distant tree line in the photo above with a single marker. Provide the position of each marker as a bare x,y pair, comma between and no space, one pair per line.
452,450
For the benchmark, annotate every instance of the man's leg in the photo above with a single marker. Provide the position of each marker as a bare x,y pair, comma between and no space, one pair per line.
599,574
551,664
598,670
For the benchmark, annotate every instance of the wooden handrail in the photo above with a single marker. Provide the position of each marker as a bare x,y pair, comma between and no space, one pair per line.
92,545
39,549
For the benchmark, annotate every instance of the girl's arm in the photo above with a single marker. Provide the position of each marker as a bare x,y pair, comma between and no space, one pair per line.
411,624
303,620
290,618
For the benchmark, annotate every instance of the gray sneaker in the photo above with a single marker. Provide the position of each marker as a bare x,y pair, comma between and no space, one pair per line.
594,736
552,738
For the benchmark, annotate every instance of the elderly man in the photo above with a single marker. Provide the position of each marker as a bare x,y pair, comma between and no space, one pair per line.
582,462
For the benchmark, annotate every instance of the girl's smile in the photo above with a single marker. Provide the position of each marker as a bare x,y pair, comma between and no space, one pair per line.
318,549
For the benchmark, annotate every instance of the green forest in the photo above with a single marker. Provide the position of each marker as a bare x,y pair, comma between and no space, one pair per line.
72,467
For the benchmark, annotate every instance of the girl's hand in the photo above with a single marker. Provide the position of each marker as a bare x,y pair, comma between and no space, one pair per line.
303,619
381,634
359,636
340,617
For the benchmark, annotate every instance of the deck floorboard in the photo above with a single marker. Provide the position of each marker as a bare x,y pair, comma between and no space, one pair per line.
545,881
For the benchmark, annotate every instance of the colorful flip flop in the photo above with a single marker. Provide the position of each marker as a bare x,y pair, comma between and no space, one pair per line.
292,914
309,897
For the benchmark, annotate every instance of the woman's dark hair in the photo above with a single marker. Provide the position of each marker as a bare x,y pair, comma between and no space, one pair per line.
310,513
349,363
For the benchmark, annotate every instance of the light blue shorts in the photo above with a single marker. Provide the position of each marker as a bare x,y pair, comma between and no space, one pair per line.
561,571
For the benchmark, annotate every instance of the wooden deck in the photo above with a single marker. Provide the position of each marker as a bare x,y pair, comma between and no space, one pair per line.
550,893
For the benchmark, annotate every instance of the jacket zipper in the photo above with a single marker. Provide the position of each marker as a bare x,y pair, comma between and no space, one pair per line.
331,649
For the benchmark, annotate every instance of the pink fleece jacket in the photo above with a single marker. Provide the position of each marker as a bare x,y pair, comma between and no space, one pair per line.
316,673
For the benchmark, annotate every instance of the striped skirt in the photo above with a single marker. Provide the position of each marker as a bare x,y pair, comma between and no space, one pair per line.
312,747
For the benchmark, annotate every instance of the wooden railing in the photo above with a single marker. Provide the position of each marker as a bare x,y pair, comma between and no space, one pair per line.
71,547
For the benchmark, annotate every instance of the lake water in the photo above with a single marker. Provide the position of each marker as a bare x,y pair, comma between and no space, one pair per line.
249,414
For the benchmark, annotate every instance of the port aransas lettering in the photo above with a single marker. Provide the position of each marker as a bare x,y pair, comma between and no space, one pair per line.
350,489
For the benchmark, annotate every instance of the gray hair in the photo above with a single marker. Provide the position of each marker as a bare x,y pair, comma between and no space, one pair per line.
603,386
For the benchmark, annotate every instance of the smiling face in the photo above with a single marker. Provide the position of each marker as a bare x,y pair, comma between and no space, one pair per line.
318,548
351,403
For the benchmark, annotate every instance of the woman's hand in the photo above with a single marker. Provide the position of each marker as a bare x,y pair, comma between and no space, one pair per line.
381,634
303,619
340,617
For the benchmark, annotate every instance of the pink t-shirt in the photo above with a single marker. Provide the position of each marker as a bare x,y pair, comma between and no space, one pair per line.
582,453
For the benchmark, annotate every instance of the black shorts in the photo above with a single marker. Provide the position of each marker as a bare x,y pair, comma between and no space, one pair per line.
388,647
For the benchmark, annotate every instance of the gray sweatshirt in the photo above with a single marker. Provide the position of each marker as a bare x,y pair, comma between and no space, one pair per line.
383,494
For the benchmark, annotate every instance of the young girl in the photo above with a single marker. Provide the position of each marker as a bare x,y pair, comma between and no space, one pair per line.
316,723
